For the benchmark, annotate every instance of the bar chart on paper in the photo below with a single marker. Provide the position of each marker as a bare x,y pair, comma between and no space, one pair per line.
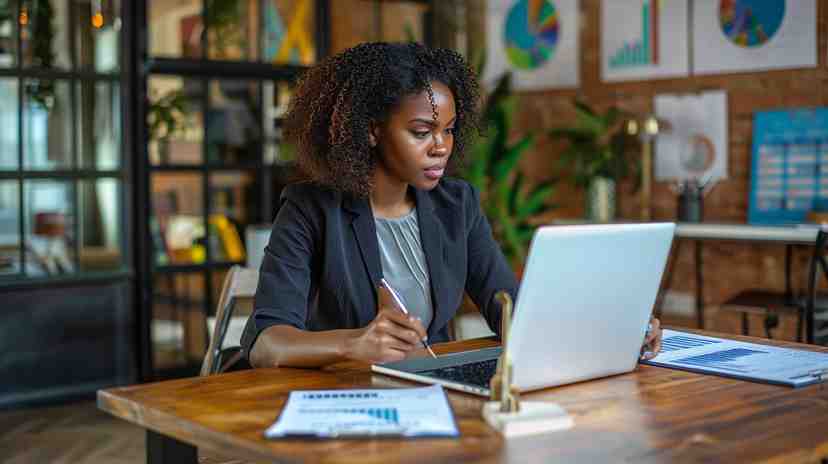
405,412
644,49
389,415
742,360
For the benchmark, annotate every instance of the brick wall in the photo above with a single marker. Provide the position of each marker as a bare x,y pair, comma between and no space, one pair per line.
729,267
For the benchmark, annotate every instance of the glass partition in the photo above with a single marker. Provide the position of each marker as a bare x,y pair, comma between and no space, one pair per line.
47,125
99,125
44,34
99,227
9,228
8,33
97,36
9,117
50,227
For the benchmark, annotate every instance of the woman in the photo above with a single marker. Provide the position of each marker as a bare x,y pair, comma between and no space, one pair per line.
376,127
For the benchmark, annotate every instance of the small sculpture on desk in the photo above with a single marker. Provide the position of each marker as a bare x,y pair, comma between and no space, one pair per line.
508,397
505,412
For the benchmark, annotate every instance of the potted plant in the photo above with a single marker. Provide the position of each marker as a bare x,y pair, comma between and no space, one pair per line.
511,205
166,117
41,91
597,156
224,23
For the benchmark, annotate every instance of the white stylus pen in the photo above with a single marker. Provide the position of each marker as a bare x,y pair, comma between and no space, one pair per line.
402,308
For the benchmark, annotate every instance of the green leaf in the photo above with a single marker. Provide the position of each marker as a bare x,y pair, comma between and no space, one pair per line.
611,117
409,33
535,201
524,234
582,107
516,193
588,120
573,135
478,61
508,162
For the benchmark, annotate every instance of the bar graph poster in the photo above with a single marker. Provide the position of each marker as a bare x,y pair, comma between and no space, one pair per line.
753,35
643,39
535,40
789,165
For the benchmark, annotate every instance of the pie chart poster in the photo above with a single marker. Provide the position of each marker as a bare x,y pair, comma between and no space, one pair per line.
536,40
753,35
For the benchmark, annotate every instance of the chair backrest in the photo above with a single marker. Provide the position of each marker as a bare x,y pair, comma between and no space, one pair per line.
240,282
818,262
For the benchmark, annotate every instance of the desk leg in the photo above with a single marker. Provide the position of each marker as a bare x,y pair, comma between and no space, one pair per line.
667,278
162,449
699,285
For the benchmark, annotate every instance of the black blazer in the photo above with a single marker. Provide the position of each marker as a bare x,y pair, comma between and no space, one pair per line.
321,266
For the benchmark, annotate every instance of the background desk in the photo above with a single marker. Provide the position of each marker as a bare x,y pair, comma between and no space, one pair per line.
652,415
698,232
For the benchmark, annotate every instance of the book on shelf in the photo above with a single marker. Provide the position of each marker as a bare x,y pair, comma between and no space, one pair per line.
159,245
230,239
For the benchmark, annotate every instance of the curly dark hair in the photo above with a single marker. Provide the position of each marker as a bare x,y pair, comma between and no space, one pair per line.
335,102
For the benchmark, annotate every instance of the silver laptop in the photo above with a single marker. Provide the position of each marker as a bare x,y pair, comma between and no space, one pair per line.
581,313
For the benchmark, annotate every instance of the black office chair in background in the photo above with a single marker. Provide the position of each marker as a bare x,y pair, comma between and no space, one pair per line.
811,309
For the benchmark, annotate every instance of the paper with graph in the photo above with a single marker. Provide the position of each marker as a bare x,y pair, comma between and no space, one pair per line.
407,412
742,360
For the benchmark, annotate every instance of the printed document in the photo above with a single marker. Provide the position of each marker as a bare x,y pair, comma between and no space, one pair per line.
747,361
407,412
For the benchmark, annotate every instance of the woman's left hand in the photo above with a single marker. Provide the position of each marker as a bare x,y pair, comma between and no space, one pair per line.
652,343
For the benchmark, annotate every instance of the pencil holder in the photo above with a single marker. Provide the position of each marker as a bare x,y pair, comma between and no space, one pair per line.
690,204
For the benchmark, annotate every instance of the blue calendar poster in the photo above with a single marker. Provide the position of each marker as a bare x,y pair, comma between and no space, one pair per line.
789,166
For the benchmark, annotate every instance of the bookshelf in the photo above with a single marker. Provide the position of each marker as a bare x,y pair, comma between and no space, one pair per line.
211,159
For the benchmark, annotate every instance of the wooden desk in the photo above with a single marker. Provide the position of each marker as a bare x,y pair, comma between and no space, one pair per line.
652,415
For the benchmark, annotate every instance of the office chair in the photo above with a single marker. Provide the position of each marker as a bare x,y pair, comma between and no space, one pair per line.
816,318
222,353
809,308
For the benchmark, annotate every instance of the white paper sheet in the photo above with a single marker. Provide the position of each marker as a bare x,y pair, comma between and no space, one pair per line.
408,412
695,146
747,361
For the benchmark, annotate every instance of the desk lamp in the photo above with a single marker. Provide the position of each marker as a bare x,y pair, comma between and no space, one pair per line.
647,129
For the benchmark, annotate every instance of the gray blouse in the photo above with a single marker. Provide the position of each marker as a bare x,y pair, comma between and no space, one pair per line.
404,265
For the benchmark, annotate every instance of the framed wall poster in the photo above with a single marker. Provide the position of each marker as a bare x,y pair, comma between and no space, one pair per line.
536,40
288,32
695,146
753,35
789,165
643,39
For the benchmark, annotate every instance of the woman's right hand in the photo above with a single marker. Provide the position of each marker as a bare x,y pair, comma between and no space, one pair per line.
391,336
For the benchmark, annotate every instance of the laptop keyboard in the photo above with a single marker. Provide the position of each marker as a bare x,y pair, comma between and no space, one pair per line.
477,373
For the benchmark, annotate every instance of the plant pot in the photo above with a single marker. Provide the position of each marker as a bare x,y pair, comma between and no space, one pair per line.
600,200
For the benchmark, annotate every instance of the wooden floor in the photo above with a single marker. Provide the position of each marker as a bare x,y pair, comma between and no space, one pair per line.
80,434
76,433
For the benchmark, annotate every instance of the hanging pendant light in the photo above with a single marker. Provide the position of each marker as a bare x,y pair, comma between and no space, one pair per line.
97,14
